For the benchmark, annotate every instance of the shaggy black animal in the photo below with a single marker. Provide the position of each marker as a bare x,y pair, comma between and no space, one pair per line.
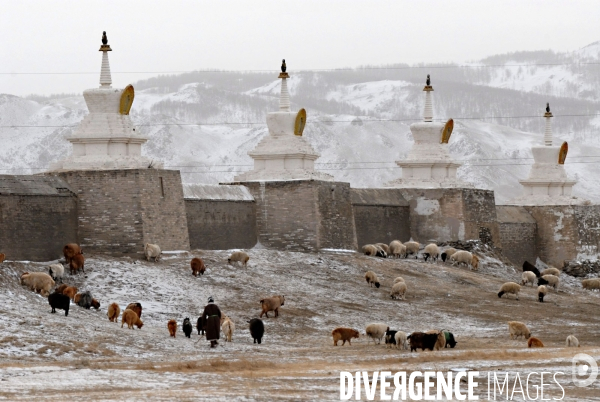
86,300
59,301
444,257
187,327
450,339
527,266
422,340
390,337
200,325
257,329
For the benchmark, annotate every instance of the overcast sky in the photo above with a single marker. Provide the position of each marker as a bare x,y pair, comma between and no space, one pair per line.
46,36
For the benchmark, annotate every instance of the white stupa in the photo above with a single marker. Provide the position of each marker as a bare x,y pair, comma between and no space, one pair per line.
284,154
429,164
548,183
106,138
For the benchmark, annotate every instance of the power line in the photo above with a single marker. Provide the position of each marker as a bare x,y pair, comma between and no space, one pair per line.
467,162
360,120
357,69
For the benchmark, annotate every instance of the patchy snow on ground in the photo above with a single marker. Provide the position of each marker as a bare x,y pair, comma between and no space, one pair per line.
85,355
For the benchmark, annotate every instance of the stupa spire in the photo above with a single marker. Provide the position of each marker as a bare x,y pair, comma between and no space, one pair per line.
428,109
105,78
284,97
548,131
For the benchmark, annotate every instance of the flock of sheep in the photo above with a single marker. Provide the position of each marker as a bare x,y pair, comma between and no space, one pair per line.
433,340
63,295
438,339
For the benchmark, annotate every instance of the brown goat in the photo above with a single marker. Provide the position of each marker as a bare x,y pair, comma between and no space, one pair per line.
271,304
113,312
172,325
70,250
197,267
60,289
70,291
77,263
137,307
131,318
534,343
344,334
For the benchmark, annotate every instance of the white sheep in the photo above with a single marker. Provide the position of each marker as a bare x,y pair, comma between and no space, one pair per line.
398,290
374,250
238,256
528,277
572,341
448,253
551,271
431,250
516,329
510,287
542,291
227,327
372,279
412,247
398,279
465,257
397,249
591,284
152,251
56,271
401,341
39,282
376,331
549,280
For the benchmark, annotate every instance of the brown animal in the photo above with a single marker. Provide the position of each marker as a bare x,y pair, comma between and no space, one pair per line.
77,263
197,267
95,304
534,343
76,298
344,334
137,307
113,312
172,325
70,250
2,257
131,318
70,291
60,289
271,304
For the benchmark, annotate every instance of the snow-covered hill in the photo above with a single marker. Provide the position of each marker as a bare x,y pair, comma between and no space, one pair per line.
349,113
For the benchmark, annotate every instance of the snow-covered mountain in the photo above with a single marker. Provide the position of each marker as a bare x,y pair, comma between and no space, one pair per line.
357,119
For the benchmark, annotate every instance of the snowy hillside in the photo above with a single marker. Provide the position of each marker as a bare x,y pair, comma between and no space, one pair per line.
348,119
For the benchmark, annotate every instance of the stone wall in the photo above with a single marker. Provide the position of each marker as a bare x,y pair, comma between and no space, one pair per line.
220,217
518,233
38,216
120,210
566,232
452,214
303,215
380,215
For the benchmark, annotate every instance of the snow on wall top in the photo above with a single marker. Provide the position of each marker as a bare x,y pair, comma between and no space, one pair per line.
33,185
216,192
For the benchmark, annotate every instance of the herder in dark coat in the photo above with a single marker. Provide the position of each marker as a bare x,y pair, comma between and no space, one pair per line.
212,318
